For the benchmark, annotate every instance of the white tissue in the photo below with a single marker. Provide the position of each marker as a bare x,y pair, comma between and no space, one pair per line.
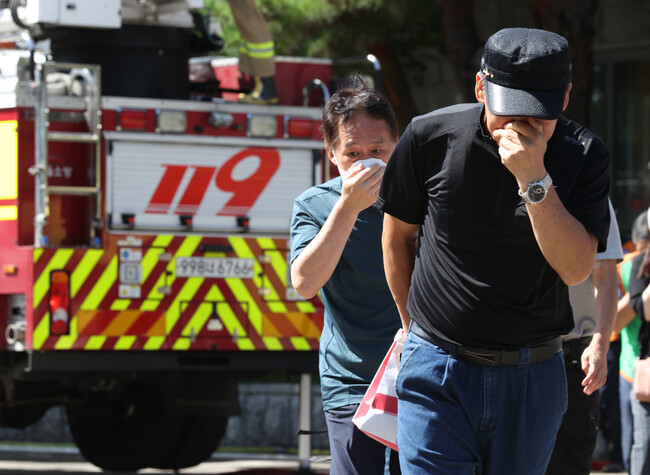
368,162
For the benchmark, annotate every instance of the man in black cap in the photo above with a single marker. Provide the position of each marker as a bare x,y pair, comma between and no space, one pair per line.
491,210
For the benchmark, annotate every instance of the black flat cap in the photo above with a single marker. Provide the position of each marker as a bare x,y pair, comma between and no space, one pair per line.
527,72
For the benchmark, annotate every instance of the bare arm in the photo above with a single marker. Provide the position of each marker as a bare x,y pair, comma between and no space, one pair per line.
594,358
564,241
399,242
625,313
315,264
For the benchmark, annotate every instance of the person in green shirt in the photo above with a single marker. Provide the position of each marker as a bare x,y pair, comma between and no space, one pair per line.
628,326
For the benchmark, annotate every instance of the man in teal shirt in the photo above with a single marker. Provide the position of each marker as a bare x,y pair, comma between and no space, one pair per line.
336,249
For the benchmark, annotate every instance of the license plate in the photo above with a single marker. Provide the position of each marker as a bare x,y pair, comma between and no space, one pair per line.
216,267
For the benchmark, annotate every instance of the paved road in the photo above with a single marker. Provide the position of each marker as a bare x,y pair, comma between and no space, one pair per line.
36,461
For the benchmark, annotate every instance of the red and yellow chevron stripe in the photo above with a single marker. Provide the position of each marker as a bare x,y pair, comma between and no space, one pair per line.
168,312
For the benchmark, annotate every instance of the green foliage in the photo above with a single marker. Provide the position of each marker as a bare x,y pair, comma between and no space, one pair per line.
342,28
220,10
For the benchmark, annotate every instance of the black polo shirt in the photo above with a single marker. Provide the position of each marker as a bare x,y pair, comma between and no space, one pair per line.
480,278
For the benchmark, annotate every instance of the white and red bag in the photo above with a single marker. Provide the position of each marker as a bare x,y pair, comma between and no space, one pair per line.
377,413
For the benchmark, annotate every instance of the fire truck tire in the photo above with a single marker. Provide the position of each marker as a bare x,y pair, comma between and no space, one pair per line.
199,438
124,434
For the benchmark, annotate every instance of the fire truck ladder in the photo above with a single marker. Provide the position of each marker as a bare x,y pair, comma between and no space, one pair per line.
90,77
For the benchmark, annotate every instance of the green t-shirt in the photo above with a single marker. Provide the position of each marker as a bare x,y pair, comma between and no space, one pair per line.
630,334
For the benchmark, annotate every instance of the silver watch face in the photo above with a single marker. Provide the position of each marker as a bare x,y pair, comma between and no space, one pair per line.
536,193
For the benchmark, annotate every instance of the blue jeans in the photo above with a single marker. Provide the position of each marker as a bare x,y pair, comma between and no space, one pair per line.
624,391
459,417
640,454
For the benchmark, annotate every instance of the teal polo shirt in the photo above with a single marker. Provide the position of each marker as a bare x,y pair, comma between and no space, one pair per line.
361,318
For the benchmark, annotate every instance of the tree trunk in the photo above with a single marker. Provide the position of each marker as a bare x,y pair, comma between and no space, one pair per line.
395,86
461,43
573,19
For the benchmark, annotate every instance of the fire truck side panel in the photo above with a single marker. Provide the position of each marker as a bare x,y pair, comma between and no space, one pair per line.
131,297
160,183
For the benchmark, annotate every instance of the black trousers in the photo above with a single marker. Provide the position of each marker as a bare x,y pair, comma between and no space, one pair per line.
353,452
576,438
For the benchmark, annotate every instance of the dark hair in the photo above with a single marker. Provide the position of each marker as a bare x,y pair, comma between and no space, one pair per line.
352,100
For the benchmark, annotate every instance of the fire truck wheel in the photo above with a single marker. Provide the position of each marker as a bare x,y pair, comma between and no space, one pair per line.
125,433
199,438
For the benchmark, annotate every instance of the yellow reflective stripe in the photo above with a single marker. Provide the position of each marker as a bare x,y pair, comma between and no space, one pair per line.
83,269
204,312
230,320
201,315
186,293
120,304
148,263
150,260
242,250
306,307
8,213
9,163
182,344
41,332
300,343
154,343
270,251
272,343
278,261
258,50
214,294
37,254
194,320
95,342
277,306
102,286
153,300
265,45
162,241
245,344
188,290
42,285
149,305
226,315
125,342
65,342
241,292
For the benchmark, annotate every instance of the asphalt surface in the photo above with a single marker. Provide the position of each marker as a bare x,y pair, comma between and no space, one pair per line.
37,460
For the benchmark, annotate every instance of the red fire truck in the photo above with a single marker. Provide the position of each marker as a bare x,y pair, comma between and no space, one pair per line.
144,226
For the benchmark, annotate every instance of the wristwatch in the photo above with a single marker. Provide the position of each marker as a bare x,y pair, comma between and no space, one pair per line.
536,191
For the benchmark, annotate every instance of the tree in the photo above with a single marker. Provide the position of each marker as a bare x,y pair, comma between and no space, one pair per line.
392,31
400,33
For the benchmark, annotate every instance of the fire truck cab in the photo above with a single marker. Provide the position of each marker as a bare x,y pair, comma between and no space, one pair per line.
144,219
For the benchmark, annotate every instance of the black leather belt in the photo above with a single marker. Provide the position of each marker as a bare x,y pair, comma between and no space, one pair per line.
492,357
